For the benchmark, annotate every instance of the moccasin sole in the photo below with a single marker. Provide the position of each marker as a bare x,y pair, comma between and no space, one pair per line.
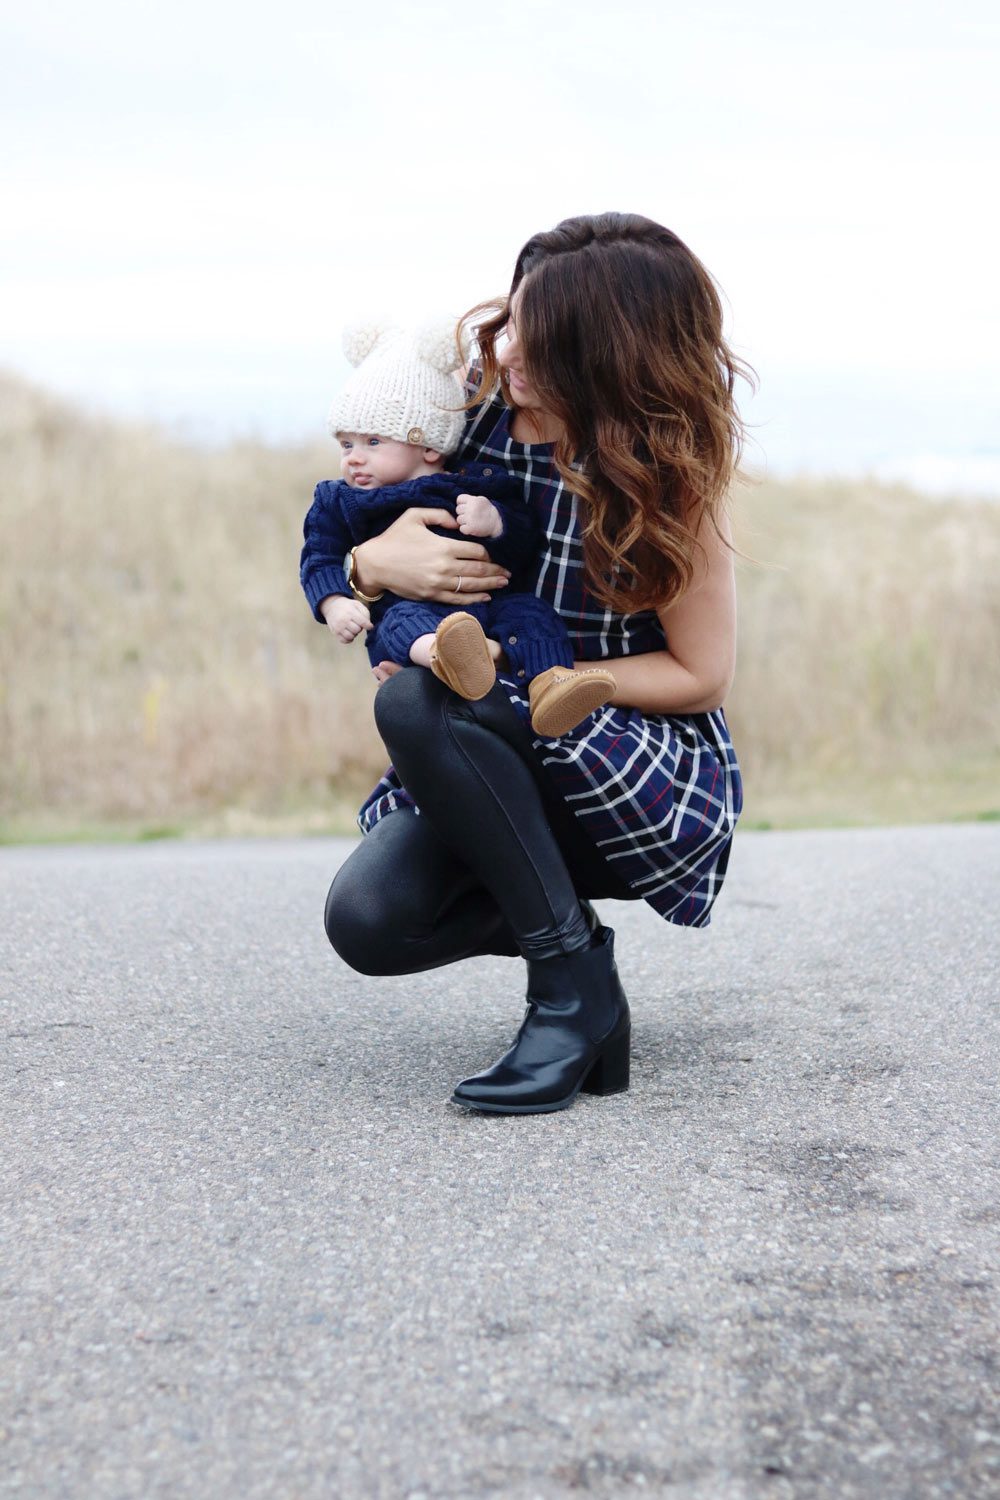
566,698
461,658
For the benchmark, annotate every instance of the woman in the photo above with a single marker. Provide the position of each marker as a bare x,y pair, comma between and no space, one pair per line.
611,398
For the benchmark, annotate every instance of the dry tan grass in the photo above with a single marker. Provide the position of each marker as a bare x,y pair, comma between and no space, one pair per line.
869,642
158,659
158,664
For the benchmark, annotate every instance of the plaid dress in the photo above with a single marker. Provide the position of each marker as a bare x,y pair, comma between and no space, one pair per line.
659,794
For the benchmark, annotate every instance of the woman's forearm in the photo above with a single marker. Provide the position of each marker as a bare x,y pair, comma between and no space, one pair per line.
655,682
417,563
367,573
694,674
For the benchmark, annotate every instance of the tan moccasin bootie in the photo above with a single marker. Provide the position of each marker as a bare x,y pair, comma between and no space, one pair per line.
461,657
560,698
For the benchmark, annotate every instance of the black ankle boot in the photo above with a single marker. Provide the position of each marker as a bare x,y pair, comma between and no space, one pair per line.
574,1036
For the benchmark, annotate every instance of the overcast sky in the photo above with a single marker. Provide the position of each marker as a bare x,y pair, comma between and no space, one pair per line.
197,196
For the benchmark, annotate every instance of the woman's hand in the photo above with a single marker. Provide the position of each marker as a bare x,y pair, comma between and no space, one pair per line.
417,564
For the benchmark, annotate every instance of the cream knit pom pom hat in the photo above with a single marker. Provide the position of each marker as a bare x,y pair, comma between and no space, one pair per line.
403,387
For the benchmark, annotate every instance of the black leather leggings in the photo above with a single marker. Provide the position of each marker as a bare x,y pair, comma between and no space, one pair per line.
494,862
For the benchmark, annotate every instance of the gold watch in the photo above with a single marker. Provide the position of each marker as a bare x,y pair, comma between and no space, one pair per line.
364,598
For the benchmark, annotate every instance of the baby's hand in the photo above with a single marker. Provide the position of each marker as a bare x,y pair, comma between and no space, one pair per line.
477,516
346,618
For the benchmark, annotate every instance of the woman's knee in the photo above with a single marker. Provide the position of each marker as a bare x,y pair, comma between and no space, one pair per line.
358,930
413,705
406,703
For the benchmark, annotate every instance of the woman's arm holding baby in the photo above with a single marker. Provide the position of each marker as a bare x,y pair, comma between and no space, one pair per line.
417,564
696,671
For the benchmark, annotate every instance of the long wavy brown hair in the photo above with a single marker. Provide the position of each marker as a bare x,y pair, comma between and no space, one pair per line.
620,328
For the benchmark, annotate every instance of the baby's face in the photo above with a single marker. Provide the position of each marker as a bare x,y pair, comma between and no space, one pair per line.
367,461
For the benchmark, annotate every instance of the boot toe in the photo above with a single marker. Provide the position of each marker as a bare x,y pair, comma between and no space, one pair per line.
501,1101
485,1091
469,1092
515,1091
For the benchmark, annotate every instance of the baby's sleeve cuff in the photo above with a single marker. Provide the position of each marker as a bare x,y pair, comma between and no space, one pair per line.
328,580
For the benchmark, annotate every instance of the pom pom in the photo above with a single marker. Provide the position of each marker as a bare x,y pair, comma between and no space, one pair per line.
361,338
436,344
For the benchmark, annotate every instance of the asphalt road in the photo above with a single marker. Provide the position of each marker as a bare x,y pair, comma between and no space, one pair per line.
250,1250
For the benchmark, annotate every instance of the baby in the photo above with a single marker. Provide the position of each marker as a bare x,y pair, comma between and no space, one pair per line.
397,419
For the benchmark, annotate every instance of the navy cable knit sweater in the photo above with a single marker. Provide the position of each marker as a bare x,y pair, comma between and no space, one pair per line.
341,518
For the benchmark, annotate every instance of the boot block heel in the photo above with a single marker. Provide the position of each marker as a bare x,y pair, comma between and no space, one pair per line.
609,1070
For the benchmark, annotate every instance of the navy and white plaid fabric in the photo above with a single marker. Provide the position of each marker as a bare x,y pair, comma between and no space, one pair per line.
658,794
